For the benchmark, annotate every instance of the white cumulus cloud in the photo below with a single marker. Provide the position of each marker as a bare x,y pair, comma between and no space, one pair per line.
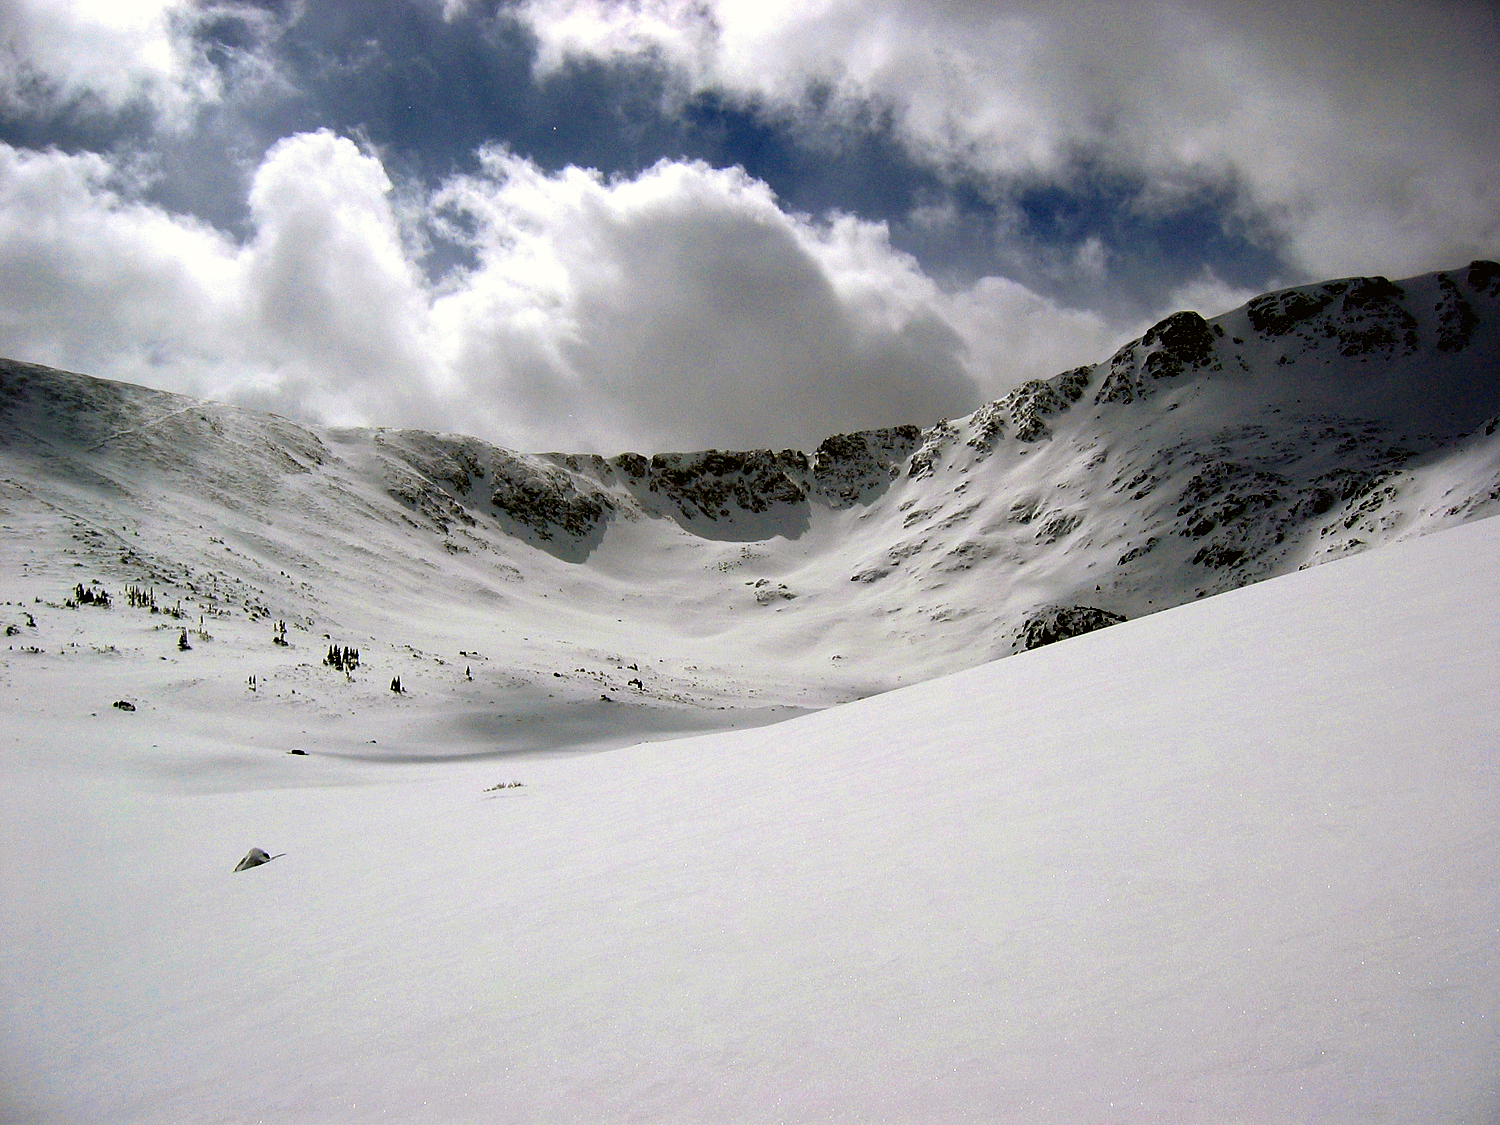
679,308
1365,140
108,54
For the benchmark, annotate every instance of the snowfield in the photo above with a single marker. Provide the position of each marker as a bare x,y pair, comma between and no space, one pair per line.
703,797
1237,861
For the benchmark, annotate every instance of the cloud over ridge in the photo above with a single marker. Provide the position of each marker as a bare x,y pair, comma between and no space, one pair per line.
682,223
681,307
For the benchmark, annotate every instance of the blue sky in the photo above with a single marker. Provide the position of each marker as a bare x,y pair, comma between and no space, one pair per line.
593,225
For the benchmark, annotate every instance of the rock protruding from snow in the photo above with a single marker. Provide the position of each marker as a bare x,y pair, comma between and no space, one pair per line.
1365,315
537,497
1456,317
935,440
714,483
1025,410
1182,343
1483,276
1057,623
548,500
851,469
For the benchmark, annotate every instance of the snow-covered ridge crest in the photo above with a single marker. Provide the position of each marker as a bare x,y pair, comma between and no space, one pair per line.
1207,454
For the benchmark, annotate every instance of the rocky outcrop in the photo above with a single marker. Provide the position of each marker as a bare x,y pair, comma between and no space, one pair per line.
1024,410
850,469
1483,277
1365,315
1182,343
1456,319
1057,623
934,441
716,483
552,502
447,481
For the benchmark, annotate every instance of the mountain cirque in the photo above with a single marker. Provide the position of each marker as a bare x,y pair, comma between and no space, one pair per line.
1309,424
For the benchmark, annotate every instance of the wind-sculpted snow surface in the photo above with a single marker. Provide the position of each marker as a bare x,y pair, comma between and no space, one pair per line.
1237,862
1309,424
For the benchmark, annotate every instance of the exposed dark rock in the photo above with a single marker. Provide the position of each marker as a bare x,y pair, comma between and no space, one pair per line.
1276,314
1136,552
1026,407
767,592
1183,342
1224,492
1184,337
590,464
1484,277
123,705
1364,314
632,465
1071,384
1058,623
548,501
715,482
855,468
1058,526
987,425
1218,555
1374,321
1456,317
1029,404
934,441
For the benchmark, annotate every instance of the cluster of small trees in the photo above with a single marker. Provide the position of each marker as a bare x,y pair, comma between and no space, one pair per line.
343,658
141,598
89,596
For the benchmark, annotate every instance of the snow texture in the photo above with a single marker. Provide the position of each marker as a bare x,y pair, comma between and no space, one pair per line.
1233,861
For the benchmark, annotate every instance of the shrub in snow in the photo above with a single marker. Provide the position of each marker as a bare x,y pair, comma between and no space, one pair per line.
342,659
90,595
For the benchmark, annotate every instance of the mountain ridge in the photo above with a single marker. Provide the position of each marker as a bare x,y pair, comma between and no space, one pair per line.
1208,453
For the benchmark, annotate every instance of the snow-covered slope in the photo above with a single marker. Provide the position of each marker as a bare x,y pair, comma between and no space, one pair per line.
1232,862
704,589
1239,861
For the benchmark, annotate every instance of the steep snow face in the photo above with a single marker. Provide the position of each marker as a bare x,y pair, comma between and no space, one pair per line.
1310,424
